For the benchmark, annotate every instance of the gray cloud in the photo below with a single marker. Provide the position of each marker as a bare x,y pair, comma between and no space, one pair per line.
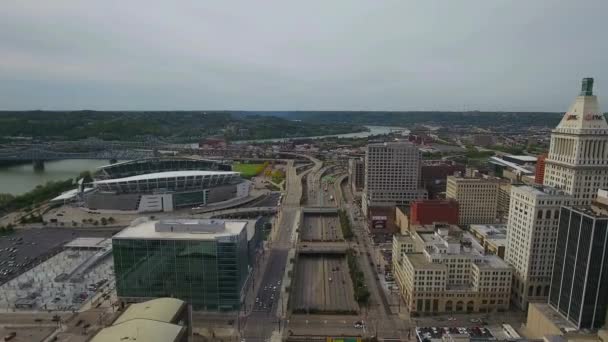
300,55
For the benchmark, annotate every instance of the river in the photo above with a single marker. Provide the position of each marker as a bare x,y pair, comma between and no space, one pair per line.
19,179
373,130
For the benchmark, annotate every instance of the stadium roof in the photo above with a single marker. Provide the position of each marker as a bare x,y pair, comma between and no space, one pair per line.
524,158
141,330
167,174
160,309
499,161
67,195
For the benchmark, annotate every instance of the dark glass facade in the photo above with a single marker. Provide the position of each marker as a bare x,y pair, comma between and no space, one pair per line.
579,283
189,198
209,274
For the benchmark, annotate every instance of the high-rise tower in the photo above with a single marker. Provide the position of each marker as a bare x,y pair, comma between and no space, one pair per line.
578,157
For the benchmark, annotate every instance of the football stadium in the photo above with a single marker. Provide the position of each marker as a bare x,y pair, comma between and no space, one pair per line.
161,184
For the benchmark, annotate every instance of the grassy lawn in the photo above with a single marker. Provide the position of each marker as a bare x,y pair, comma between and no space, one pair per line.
248,170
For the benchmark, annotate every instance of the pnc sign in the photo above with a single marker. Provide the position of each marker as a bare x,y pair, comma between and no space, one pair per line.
571,117
590,117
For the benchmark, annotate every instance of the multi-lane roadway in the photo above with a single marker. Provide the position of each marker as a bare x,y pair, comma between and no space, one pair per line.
261,322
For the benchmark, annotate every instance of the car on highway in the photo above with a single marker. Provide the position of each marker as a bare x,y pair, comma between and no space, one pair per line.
358,324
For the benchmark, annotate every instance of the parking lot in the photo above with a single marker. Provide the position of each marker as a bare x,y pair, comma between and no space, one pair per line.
64,282
323,284
26,248
321,227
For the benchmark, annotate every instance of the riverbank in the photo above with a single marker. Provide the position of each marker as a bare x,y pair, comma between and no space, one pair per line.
21,178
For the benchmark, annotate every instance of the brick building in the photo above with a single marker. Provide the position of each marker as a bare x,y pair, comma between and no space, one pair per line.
431,211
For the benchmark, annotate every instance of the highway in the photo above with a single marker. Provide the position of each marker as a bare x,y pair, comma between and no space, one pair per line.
260,323
323,285
321,227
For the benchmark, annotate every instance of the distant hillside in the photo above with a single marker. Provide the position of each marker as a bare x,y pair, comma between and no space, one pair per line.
481,119
181,126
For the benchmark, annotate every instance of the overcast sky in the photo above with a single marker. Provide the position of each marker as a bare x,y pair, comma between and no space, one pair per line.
301,55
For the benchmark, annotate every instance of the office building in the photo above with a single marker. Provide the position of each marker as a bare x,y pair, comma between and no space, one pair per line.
578,156
392,175
434,175
356,174
203,262
449,272
504,197
579,284
431,211
531,239
477,198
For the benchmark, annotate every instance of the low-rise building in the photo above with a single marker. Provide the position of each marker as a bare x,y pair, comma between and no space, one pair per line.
452,274
431,211
157,320
493,237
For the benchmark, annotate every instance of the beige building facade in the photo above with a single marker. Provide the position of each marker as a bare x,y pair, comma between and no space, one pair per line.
578,155
531,240
402,219
451,274
477,198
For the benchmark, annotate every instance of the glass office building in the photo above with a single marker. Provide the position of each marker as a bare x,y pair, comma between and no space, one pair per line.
203,262
579,283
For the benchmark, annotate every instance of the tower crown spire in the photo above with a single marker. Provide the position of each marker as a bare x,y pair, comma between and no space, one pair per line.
584,113
587,87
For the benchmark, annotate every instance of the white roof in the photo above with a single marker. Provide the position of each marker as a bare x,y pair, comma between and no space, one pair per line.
167,174
89,242
511,165
140,330
524,158
146,230
69,194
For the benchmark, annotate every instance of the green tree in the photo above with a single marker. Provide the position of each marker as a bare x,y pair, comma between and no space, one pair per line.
86,177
